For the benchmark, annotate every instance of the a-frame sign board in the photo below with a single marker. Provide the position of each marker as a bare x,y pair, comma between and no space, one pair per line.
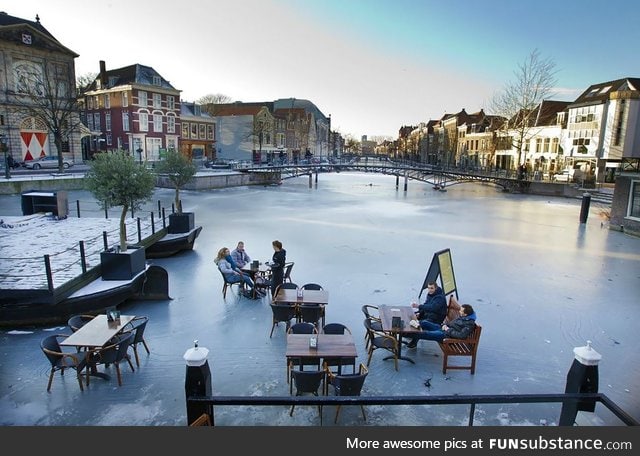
441,267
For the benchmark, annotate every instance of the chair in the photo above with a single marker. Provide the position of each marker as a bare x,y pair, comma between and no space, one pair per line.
308,382
78,321
338,328
60,360
137,326
282,313
202,420
378,339
287,271
226,284
347,385
376,322
310,313
303,328
116,352
311,286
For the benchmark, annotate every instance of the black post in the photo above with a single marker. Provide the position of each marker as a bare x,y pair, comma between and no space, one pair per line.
139,230
197,382
106,212
132,215
584,209
153,224
47,267
164,220
173,208
397,181
83,258
582,378
104,241
78,207
159,209
406,182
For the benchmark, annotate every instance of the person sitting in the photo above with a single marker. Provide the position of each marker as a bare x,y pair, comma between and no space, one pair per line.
240,256
231,271
460,328
434,308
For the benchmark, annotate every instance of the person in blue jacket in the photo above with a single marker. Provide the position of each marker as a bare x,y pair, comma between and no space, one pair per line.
460,328
434,308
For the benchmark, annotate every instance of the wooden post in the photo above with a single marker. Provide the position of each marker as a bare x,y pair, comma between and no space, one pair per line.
104,240
47,267
83,258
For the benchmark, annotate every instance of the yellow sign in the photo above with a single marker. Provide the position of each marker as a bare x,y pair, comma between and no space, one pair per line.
446,272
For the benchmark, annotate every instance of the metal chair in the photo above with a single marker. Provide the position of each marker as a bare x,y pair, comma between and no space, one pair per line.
377,339
312,286
61,360
310,313
303,328
308,382
226,284
348,385
376,323
137,326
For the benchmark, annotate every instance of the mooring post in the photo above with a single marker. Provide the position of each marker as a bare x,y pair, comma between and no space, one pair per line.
310,180
197,382
582,378
406,182
397,181
584,209
83,258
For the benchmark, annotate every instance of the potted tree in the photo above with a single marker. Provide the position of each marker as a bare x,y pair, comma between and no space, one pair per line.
180,170
115,179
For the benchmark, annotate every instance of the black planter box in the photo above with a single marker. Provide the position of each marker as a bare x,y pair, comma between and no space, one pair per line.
181,223
122,265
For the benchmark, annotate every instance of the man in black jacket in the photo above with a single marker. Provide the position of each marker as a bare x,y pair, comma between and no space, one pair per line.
460,328
434,308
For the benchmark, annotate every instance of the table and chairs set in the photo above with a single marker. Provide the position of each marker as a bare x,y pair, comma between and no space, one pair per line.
96,340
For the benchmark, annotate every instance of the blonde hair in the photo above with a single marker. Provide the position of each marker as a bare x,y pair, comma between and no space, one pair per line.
220,255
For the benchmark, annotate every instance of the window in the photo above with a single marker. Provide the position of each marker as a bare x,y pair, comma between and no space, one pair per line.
555,142
157,100
96,120
157,123
210,132
125,121
89,102
107,101
90,122
107,121
634,200
109,139
157,81
171,102
202,131
142,98
96,101
125,99
194,131
144,121
185,129
171,124
547,144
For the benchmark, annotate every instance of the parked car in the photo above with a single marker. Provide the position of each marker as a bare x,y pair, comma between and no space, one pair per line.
48,161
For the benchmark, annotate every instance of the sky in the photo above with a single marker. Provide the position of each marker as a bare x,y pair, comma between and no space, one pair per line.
373,65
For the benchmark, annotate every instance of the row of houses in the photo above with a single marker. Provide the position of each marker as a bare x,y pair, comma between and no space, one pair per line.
594,135
135,109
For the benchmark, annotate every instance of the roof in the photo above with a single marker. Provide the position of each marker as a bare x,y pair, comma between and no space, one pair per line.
13,22
194,110
308,106
132,74
548,112
599,93
239,109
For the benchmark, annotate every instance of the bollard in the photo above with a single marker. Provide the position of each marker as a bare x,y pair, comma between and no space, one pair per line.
582,378
406,183
584,209
197,381
397,181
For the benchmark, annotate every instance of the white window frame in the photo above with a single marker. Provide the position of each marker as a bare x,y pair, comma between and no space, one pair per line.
107,121
171,124
142,98
107,101
126,125
143,120
157,123
125,99
171,102
157,101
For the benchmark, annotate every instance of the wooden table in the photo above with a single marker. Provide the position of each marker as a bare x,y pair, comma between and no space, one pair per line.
95,334
406,314
287,296
329,346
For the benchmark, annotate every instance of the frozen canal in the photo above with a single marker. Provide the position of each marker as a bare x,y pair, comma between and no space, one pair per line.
541,284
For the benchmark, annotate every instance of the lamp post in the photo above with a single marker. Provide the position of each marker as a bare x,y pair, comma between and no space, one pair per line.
3,145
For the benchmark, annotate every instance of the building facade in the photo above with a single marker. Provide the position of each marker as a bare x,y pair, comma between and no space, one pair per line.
38,110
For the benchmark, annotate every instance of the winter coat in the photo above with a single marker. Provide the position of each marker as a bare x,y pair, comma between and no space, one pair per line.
434,307
461,327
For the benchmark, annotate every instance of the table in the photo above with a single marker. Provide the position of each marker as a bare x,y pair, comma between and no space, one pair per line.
95,334
406,314
329,346
253,272
287,296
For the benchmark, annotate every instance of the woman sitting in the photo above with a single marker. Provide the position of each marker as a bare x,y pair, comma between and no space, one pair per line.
232,272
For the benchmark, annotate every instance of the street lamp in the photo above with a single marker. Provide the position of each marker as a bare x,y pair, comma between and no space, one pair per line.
3,145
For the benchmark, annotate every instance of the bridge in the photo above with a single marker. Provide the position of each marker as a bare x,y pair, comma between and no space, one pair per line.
439,178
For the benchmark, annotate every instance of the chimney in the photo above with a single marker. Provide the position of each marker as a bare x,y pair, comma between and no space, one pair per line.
103,74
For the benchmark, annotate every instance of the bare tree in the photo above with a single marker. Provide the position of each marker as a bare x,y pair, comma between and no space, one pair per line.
84,81
49,95
533,83
210,101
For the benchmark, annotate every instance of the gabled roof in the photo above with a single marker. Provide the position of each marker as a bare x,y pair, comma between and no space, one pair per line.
132,74
193,110
10,23
599,93
548,112
288,103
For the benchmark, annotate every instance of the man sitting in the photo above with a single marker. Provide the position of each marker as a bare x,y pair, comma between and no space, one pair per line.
460,328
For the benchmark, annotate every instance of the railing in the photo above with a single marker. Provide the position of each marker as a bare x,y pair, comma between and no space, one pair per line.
197,405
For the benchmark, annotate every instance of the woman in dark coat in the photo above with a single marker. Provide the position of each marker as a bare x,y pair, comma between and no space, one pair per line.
277,265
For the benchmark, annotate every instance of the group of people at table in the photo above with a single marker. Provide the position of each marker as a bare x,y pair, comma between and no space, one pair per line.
231,264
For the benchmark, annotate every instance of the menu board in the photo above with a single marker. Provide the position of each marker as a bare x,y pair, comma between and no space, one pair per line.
441,267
